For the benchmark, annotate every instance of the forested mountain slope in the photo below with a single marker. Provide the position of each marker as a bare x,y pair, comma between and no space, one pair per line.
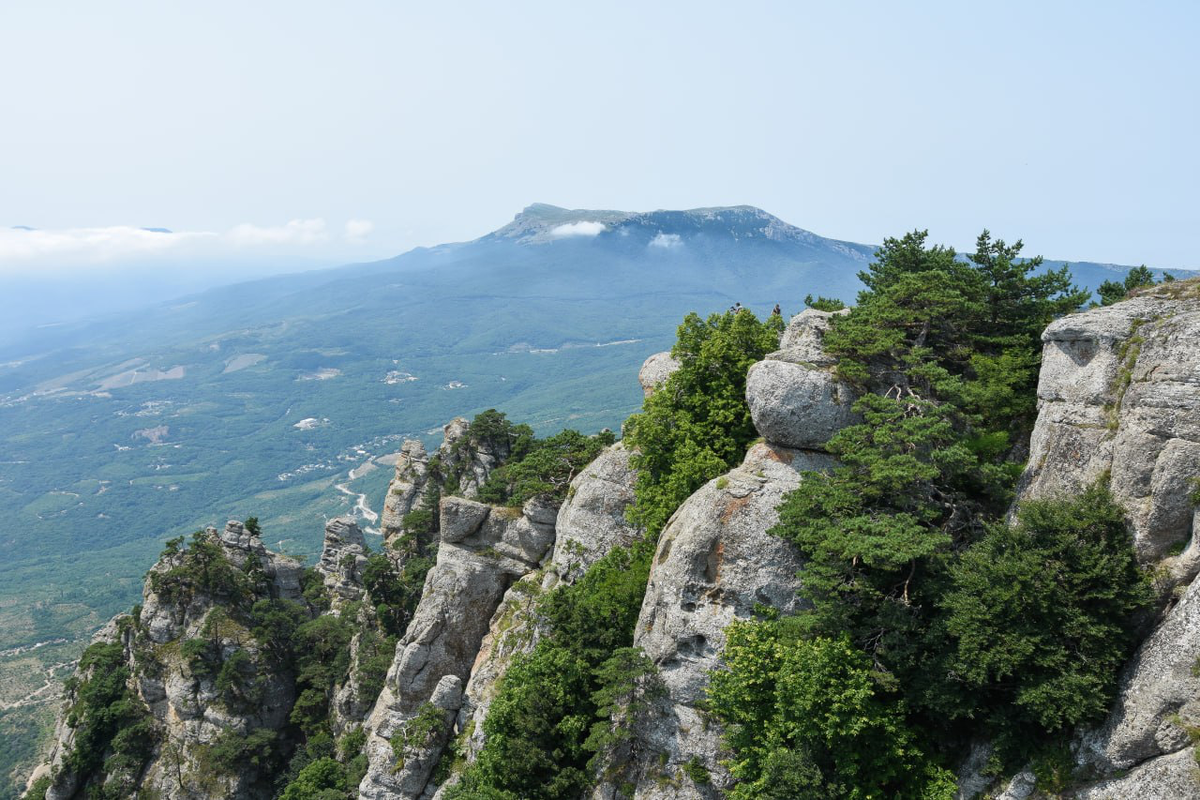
961,535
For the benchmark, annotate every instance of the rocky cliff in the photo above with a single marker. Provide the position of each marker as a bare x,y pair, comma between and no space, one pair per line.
1119,396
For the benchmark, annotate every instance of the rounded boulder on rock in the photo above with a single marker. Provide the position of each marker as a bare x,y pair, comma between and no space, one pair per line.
796,406
655,371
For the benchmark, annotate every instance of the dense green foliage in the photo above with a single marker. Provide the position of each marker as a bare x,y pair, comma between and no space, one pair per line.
811,718
1137,278
545,469
1039,616
113,732
697,424
923,606
946,353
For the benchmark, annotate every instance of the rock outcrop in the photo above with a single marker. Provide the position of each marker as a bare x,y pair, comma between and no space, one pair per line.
1119,394
1119,399
406,491
343,558
590,523
1159,697
483,551
715,563
655,371
795,398
185,707
803,341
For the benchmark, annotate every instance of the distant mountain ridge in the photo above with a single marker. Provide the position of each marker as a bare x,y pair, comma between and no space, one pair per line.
513,319
282,397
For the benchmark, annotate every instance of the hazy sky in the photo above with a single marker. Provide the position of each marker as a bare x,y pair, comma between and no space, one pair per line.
353,130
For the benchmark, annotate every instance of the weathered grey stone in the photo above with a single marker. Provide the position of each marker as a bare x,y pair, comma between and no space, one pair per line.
715,563
797,406
803,339
187,709
487,550
1119,394
1020,787
343,558
461,518
405,491
1159,693
592,519
655,371
1170,777
589,524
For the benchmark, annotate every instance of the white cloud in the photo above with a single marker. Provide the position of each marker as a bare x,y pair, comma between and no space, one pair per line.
94,244
357,230
578,229
26,250
667,240
298,231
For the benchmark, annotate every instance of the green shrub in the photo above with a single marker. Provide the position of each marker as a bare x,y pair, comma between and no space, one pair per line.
1041,616
232,752
545,470
113,732
811,718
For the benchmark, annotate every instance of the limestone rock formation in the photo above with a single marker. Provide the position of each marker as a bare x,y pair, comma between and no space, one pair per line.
405,491
1119,393
803,339
1171,777
655,371
590,523
797,406
483,551
1159,696
795,398
592,520
343,558
715,563
187,710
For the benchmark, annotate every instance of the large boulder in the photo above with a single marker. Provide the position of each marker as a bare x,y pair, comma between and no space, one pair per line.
1119,395
798,406
715,563
655,371
803,341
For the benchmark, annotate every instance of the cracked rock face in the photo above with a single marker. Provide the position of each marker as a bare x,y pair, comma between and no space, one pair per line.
1119,392
405,490
482,552
655,371
1159,694
187,708
715,562
343,559
1170,777
592,520
590,523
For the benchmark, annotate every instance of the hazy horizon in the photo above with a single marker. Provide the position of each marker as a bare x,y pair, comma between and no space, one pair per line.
283,134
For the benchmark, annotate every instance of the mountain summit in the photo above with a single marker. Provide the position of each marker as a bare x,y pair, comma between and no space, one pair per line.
540,223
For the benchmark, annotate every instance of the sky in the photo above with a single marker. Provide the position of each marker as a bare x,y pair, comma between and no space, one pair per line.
292,133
